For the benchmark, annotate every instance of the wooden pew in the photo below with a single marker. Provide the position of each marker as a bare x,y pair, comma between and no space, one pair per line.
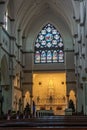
55,122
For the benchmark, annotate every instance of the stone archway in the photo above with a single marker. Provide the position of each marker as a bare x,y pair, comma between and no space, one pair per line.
5,85
27,98
4,72
72,97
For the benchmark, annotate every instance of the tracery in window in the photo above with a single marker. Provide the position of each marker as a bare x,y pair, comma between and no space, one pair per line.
49,47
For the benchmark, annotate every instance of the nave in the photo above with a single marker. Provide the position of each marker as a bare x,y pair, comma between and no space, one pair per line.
43,59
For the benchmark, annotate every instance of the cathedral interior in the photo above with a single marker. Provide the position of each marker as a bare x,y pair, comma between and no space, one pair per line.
43,55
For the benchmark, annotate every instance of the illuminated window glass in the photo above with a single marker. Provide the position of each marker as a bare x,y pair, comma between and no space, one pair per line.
6,20
49,47
43,56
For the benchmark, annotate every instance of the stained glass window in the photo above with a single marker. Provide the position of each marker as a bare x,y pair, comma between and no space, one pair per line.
49,47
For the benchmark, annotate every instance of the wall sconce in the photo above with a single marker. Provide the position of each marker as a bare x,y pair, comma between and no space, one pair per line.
62,82
40,83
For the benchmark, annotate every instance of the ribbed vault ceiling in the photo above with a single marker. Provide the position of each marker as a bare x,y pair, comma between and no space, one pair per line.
30,12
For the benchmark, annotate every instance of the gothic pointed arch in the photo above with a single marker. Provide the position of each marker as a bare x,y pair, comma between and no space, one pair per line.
27,98
4,71
49,47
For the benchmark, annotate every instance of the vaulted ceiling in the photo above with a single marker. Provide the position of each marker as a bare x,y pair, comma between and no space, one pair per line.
28,12
33,14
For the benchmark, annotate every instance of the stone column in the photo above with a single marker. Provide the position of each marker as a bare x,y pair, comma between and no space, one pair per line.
1,98
85,98
67,99
2,11
23,96
31,104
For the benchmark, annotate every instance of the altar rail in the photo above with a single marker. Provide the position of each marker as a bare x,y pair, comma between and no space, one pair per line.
41,113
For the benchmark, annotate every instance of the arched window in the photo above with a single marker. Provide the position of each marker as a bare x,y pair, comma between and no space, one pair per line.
49,46
6,20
